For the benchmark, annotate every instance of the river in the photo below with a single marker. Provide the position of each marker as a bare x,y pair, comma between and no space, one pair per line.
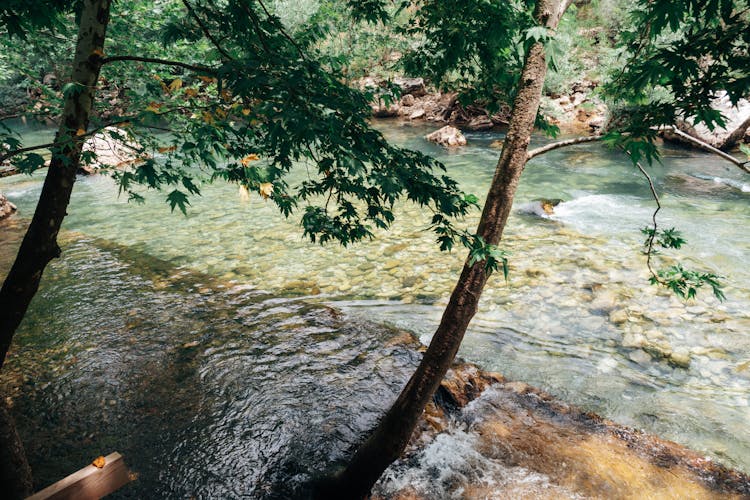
226,356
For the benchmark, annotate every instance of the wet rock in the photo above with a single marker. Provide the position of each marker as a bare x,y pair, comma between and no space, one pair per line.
633,340
580,454
6,207
618,317
639,356
680,359
541,208
447,136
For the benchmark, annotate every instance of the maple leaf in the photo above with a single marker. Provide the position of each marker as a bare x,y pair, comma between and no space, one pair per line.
251,157
265,189
99,462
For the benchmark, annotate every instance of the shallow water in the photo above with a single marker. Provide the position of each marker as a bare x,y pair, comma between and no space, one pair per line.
572,318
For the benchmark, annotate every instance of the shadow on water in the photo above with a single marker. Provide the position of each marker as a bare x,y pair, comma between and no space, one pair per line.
207,390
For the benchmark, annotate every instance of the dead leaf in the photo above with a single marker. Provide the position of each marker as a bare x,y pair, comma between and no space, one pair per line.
80,132
97,52
265,189
167,149
175,85
251,157
191,92
99,462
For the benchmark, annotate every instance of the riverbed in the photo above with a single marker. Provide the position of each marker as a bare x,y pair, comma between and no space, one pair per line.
180,339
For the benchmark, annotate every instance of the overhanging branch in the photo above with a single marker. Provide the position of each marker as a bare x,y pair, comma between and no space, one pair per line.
561,144
199,68
709,148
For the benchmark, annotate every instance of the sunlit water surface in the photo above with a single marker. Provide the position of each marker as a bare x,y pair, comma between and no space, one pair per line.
199,345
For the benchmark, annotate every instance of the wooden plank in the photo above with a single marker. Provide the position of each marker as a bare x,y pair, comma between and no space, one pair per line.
89,483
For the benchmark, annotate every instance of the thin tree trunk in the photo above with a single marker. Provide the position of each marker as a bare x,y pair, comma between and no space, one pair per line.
39,245
392,435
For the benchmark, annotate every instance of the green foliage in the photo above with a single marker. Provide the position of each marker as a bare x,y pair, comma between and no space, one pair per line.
475,46
686,283
491,255
692,50
665,238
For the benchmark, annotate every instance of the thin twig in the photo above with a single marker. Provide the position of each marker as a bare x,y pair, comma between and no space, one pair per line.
206,31
275,21
652,235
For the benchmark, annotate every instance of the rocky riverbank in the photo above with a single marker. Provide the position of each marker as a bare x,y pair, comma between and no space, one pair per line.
564,451
6,207
580,111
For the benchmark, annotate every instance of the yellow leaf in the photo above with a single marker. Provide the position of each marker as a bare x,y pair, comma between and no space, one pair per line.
153,107
99,462
220,113
80,132
206,79
97,52
246,160
265,189
191,92
175,85
246,111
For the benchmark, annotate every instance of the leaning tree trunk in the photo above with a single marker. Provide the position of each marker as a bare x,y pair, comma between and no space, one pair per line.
39,245
392,435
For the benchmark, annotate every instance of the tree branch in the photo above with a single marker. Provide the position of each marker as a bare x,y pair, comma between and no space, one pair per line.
561,144
205,30
199,68
654,225
742,165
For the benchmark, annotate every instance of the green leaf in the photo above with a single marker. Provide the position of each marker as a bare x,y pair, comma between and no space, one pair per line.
178,199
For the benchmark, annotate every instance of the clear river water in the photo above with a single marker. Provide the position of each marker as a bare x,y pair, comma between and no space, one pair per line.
226,356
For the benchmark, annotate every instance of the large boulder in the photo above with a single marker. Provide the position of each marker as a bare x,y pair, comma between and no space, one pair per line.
447,136
114,148
6,207
735,130
412,86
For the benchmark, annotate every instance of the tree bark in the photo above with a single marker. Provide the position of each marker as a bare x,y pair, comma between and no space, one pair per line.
39,245
736,136
392,434
15,473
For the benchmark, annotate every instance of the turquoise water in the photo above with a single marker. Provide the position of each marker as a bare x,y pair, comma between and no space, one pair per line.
576,317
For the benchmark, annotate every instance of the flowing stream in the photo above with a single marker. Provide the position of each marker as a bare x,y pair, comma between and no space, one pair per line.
226,356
